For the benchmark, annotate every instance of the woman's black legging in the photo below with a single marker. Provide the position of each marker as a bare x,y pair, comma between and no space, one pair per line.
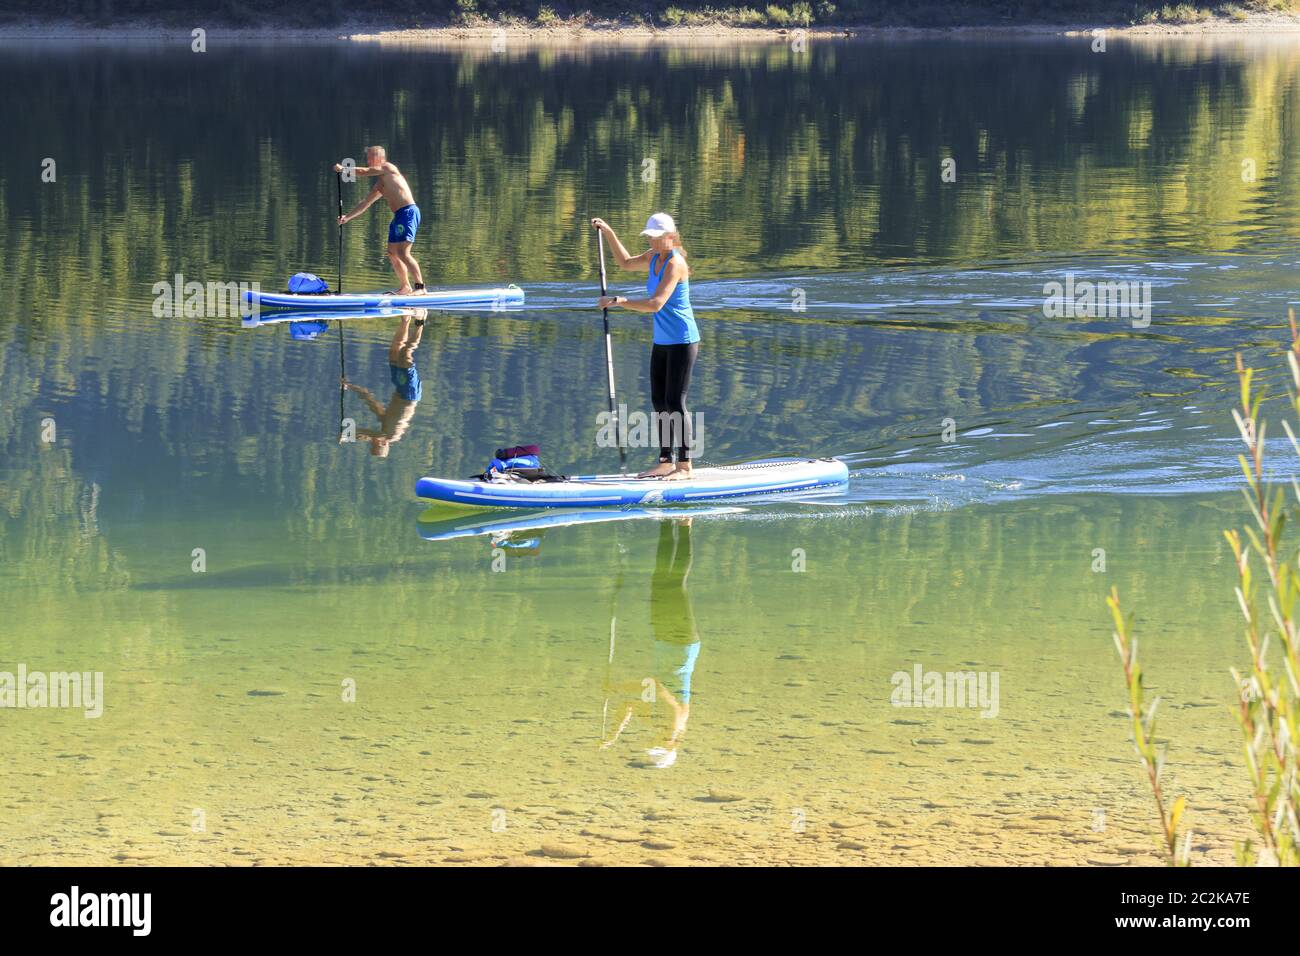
670,378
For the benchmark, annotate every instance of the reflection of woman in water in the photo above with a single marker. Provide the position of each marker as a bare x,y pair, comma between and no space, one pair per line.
395,419
676,647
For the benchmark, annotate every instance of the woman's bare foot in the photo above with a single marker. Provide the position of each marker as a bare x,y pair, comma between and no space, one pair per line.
678,473
661,470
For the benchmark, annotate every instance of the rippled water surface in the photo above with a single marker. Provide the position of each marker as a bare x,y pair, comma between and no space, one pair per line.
351,678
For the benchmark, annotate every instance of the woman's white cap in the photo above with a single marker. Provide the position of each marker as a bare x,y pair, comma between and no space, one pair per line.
658,224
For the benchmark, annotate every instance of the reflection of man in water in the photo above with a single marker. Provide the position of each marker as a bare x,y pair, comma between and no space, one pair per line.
395,418
676,648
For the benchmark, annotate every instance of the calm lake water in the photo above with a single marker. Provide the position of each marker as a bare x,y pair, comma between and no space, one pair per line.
346,682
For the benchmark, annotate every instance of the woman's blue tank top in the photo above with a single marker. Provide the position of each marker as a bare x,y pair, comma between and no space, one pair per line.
675,322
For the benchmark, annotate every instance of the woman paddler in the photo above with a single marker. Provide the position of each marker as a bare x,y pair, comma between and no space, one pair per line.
676,337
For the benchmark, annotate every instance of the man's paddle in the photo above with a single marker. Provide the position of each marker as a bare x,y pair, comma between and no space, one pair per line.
609,360
338,177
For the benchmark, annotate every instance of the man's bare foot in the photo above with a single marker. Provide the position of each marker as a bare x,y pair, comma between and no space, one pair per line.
661,470
678,473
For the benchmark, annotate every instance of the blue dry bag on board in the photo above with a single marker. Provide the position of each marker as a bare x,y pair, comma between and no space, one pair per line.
304,283
520,462
524,462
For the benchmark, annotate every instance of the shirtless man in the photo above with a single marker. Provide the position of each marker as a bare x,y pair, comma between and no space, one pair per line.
396,191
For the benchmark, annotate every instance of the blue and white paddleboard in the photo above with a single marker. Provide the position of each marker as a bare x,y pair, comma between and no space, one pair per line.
767,477
510,296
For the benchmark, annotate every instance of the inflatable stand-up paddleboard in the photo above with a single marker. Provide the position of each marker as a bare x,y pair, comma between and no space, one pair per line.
441,523
510,297
769,476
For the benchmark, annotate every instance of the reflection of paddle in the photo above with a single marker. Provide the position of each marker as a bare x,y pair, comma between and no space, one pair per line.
343,374
343,377
604,712
609,361
609,661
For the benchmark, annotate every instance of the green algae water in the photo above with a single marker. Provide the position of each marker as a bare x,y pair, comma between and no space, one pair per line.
301,663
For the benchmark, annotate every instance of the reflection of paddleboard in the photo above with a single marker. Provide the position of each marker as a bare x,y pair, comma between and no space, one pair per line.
766,477
433,299
318,315
306,331
440,523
